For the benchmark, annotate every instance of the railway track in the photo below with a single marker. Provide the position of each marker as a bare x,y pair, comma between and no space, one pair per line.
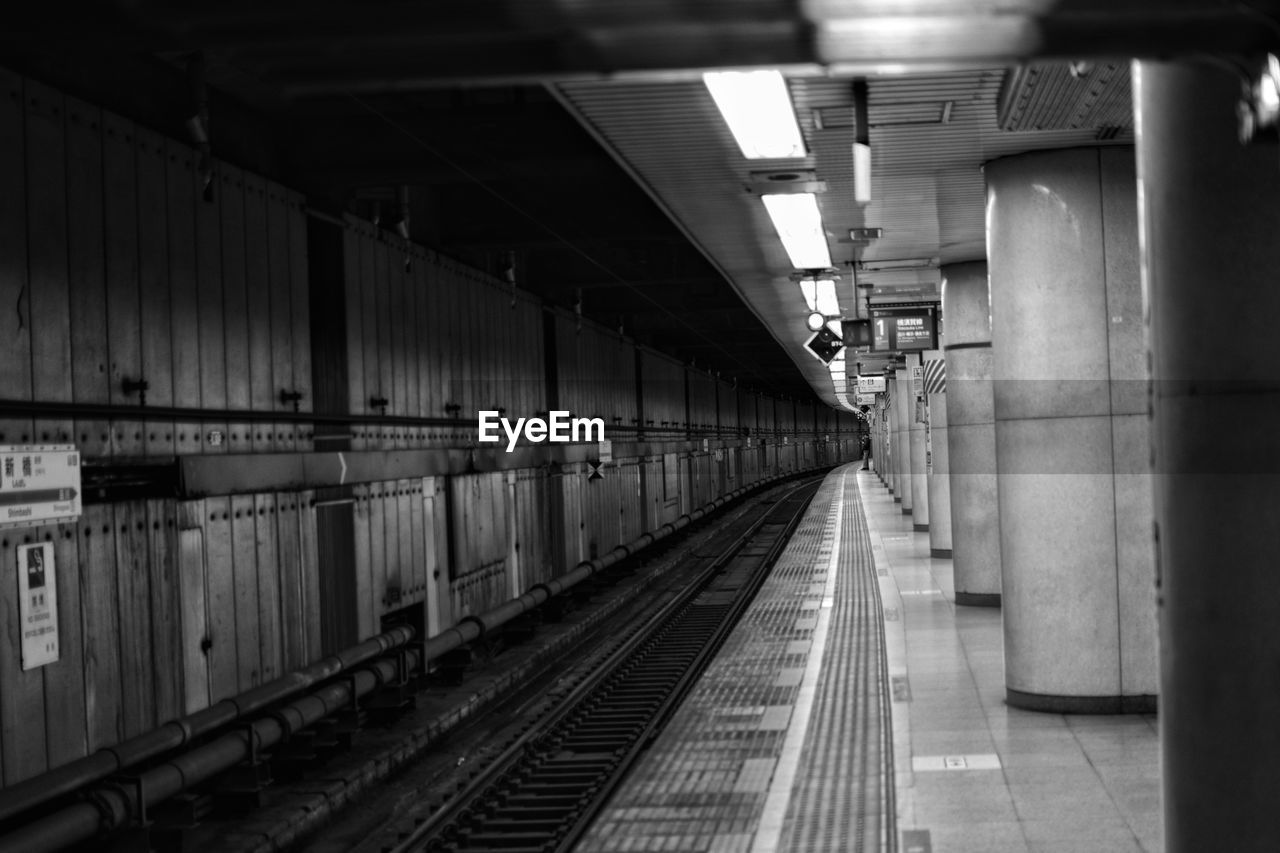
542,791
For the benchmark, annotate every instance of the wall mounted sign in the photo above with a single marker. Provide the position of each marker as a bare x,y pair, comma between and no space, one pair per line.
39,484
37,604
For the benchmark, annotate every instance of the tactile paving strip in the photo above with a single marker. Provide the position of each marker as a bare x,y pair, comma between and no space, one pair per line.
703,784
838,801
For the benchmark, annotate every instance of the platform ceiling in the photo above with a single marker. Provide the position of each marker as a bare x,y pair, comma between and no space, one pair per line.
578,134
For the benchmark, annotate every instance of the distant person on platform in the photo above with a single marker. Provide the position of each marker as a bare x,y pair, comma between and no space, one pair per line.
864,436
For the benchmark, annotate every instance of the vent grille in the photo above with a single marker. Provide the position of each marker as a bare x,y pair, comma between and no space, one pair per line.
889,115
1067,96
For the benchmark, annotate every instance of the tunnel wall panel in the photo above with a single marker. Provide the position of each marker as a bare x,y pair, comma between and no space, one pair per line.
702,399
126,266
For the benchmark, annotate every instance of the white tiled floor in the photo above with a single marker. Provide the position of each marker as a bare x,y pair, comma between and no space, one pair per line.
977,775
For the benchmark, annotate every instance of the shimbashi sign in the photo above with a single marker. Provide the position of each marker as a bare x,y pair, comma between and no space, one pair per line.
39,484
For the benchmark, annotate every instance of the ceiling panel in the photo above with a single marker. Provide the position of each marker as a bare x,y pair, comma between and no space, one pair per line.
930,135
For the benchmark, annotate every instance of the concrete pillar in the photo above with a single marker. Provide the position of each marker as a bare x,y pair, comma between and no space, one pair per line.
883,421
902,440
881,465
1072,447
890,419
971,435
936,466
1211,252
919,478
885,466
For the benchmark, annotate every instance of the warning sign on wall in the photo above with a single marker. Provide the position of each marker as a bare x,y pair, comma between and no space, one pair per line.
39,484
38,604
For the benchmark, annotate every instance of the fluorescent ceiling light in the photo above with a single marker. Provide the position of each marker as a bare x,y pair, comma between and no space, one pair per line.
757,107
820,296
828,302
861,173
799,225
809,288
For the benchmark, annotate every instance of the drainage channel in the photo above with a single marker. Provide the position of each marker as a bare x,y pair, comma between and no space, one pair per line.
542,792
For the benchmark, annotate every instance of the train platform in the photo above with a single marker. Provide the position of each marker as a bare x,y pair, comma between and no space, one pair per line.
853,643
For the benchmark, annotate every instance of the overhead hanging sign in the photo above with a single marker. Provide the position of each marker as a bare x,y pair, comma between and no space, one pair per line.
904,329
864,399
37,604
873,384
39,484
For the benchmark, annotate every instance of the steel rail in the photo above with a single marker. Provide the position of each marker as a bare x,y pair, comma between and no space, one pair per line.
742,601
444,821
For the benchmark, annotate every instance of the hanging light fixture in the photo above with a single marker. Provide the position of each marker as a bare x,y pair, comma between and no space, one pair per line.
861,145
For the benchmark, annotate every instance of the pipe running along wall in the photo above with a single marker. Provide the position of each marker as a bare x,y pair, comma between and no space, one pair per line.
113,805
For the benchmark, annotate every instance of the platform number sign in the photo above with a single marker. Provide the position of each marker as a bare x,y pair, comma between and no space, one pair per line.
904,329
37,604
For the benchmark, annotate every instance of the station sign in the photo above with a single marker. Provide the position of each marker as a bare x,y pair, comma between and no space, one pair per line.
864,399
904,329
39,484
874,384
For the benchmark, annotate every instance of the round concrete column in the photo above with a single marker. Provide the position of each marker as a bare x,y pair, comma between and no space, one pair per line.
881,465
936,466
902,439
971,435
1072,450
919,478
890,414
1211,252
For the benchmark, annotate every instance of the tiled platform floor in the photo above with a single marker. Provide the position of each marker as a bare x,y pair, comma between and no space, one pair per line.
1030,781
766,752
774,752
